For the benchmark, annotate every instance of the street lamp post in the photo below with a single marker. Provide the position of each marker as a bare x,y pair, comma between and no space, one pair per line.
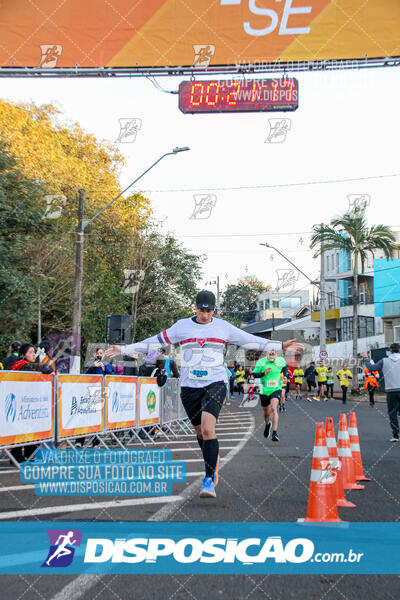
75,361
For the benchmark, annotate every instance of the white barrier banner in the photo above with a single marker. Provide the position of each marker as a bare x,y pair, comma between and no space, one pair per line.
80,404
121,402
26,407
149,401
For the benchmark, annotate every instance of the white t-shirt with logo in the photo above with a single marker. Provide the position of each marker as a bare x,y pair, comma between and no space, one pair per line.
202,348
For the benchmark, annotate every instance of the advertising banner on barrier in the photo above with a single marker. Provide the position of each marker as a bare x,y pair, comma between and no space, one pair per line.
170,401
80,405
120,402
149,401
202,32
26,407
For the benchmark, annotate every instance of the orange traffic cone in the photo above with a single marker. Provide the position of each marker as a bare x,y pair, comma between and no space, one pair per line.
336,464
345,456
322,498
355,449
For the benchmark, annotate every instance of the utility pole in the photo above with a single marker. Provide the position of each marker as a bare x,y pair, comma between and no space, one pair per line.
218,296
75,360
322,321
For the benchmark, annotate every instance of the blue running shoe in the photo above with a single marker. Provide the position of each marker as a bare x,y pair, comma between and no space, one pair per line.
208,488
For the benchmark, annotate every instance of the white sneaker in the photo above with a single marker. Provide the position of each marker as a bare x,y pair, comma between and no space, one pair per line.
394,439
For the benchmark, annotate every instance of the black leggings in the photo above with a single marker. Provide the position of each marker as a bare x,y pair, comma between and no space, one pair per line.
311,385
371,392
344,390
329,390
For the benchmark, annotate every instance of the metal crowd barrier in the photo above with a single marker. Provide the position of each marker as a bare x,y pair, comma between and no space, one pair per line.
111,410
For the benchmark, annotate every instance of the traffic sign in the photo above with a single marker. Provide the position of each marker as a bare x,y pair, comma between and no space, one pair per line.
323,354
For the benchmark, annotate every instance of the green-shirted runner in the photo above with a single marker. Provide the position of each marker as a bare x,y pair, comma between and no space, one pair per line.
269,369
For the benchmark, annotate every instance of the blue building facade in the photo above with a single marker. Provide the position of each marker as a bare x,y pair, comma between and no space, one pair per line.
387,287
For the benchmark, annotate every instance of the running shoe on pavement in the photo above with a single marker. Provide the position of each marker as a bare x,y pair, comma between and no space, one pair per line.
275,437
208,488
215,478
394,439
267,430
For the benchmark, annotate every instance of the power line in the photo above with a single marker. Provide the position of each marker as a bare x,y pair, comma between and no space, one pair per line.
274,185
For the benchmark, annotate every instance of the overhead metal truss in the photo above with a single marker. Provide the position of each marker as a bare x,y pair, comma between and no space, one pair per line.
261,66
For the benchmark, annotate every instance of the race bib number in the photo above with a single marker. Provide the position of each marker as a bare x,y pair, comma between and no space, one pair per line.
200,373
272,383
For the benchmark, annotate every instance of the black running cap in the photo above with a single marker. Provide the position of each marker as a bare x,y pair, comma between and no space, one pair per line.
205,299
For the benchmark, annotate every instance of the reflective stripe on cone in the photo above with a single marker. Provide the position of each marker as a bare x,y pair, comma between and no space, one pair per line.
336,464
322,495
355,449
346,458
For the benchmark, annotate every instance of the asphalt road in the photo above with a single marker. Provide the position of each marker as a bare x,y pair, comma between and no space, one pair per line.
259,481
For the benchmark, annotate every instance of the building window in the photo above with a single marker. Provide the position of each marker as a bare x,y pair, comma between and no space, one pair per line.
266,304
291,302
275,303
337,262
331,300
366,328
396,333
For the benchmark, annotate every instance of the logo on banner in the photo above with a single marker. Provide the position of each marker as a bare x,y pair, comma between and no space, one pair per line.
11,407
151,401
62,547
115,402
86,404
50,55
203,54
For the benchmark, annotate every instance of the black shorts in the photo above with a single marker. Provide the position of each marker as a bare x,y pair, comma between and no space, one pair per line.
266,400
208,399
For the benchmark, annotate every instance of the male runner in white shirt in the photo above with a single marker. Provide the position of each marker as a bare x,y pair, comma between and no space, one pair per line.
203,376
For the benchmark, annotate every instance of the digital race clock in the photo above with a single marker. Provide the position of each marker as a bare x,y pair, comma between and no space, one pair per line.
251,95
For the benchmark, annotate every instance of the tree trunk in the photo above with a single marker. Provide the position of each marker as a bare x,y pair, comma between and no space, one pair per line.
355,386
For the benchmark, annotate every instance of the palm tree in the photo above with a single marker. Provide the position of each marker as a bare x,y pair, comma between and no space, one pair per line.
350,232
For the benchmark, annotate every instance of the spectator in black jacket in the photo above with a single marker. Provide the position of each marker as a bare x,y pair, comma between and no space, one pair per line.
130,365
13,356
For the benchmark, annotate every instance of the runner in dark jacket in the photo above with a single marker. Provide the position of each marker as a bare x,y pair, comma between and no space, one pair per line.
310,375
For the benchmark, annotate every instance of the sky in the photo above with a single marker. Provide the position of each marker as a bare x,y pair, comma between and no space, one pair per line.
346,127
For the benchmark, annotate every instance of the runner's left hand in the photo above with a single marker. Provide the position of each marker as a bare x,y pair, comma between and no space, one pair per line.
292,346
113,351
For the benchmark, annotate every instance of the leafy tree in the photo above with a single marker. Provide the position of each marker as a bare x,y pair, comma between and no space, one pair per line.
239,303
350,232
56,158
21,221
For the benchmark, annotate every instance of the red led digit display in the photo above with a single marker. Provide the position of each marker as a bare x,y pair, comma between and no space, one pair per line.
251,95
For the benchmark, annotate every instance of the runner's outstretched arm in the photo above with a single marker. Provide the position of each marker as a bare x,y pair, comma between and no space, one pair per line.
164,338
253,342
